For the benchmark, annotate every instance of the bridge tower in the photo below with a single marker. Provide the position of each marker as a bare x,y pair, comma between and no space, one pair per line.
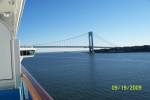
91,44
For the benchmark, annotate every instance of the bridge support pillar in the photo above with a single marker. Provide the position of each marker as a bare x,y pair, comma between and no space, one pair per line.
91,44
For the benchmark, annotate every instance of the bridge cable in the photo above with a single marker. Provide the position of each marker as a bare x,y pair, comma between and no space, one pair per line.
104,40
61,40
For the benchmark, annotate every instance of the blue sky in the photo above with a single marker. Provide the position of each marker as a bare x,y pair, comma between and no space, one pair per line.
123,22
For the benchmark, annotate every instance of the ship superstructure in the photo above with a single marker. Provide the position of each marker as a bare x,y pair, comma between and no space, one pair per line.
16,83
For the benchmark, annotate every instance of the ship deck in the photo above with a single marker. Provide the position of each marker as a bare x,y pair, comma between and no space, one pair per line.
11,94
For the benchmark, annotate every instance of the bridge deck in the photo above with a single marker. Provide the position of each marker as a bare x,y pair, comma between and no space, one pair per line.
70,47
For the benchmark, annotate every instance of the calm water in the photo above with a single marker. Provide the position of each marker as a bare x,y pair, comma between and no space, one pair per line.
80,76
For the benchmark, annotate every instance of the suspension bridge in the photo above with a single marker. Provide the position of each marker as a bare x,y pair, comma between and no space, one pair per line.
88,40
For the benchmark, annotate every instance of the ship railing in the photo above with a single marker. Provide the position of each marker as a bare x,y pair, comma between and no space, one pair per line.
35,89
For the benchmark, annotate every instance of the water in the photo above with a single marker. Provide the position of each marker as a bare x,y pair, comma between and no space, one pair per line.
80,76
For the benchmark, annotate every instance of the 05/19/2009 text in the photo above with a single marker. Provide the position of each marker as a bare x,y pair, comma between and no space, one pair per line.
126,87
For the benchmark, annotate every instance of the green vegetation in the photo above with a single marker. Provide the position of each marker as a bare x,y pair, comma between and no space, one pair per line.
145,48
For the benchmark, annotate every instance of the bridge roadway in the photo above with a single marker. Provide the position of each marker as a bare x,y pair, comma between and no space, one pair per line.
70,47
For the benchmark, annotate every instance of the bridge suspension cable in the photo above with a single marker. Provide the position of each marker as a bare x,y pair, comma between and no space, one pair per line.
104,40
61,41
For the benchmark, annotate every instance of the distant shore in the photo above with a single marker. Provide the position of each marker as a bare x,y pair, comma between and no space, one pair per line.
144,48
